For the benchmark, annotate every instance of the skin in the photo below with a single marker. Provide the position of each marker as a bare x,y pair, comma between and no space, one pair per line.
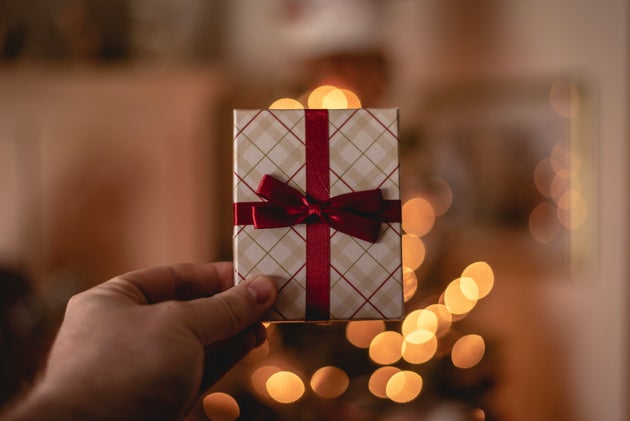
146,344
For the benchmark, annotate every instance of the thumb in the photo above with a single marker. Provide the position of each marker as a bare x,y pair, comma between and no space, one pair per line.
225,314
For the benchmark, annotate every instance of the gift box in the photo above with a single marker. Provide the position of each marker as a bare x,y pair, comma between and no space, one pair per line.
317,208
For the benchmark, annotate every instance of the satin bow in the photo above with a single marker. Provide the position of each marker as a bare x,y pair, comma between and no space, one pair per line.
358,214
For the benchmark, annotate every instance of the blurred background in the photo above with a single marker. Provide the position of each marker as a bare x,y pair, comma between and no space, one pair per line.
115,154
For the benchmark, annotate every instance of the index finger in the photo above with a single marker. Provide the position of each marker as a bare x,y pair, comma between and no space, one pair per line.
182,281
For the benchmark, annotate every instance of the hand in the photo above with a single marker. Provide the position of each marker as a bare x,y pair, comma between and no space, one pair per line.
144,345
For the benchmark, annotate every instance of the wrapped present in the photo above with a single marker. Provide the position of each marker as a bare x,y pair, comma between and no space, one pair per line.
317,207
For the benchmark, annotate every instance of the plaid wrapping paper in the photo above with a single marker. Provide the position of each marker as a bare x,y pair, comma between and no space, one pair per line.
365,278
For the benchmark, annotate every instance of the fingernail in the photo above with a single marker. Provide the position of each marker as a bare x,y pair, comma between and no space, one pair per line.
261,288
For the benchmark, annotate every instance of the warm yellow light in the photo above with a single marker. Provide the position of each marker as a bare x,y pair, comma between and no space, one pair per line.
378,380
483,276
559,185
413,251
543,223
285,387
351,98
456,300
418,217
419,346
259,379
469,288
410,283
286,104
444,318
385,348
468,351
335,100
329,382
316,97
404,386
257,355
361,332
221,407
419,319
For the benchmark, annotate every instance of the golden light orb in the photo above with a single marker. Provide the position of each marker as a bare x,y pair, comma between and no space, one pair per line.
335,100
329,382
413,251
220,406
483,276
410,283
459,297
404,386
352,99
259,379
316,97
378,380
286,104
361,332
468,351
285,387
444,318
419,319
419,346
418,216
385,348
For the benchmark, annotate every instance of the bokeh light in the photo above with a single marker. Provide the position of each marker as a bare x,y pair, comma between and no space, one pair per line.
482,274
468,351
404,386
459,296
418,217
543,174
335,99
220,406
379,378
544,226
413,251
361,332
286,104
419,346
444,318
419,319
410,283
285,387
316,97
329,382
386,347
259,379
352,99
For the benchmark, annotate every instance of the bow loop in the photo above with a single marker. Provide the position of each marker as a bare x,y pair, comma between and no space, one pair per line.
358,214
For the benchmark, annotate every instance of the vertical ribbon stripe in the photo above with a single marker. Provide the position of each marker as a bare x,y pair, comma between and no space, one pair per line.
318,233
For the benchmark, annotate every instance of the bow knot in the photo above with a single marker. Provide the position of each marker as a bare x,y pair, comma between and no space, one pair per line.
358,214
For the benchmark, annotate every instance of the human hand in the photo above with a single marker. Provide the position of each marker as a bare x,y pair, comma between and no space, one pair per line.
144,345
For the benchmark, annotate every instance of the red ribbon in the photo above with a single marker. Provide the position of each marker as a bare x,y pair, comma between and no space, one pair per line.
358,214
